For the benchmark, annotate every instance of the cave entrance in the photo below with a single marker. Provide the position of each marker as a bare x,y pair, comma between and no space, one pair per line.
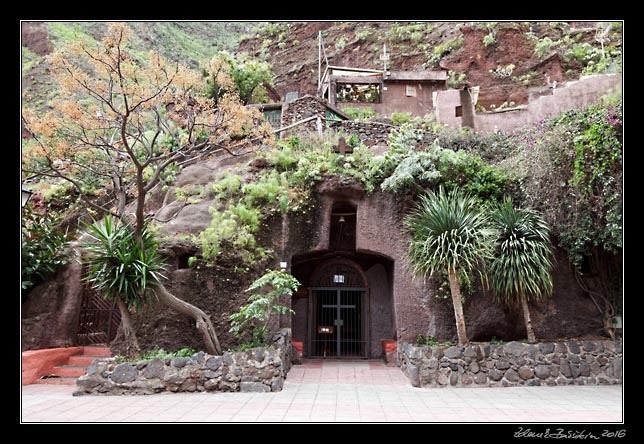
338,316
344,308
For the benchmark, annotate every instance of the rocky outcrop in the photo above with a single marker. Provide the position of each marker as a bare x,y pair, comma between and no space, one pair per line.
50,313
34,35
513,364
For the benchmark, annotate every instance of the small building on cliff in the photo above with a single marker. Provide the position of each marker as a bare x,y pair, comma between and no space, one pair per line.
384,92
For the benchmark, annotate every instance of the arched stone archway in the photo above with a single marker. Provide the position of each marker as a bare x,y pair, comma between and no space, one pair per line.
338,311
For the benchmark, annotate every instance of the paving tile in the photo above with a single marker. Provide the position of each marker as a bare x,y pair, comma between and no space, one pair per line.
335,391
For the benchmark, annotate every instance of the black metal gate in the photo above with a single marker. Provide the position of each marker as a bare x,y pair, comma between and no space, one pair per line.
338,320
99,320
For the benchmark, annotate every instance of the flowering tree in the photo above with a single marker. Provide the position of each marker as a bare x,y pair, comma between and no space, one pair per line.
118,123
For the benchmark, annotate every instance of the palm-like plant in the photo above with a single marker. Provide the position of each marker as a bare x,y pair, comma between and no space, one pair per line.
121,267
522,265
449,231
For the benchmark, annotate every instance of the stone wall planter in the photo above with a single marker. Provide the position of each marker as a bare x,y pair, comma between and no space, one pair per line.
513,364
254,370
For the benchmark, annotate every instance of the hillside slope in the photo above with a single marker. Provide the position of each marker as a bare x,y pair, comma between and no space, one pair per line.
506,59
188,42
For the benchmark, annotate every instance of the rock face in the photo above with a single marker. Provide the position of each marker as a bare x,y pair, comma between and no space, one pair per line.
36,37
50,314
403,306
254,370
514,364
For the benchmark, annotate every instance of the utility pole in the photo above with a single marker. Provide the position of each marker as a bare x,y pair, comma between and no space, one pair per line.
319,61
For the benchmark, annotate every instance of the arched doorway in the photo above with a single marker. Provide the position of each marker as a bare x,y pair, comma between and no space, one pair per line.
338,317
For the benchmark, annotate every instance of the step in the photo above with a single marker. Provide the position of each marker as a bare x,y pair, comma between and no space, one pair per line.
55,380
83,360
97,351
69,371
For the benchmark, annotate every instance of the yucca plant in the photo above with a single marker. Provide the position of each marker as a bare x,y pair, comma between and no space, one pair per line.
521,269
122,268
449,231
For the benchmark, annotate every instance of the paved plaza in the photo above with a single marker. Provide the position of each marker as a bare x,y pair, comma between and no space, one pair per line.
335,391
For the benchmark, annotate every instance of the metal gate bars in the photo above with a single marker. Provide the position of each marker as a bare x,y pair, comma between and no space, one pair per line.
338,320
99,320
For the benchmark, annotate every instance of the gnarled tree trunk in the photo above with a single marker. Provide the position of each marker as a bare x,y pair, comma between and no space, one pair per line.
457,302
526,317
130,341
203,323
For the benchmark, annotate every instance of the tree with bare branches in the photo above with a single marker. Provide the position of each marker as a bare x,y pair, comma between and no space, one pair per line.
118,123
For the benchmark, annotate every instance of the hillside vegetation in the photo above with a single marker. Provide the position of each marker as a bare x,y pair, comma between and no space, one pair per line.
508,60
191,43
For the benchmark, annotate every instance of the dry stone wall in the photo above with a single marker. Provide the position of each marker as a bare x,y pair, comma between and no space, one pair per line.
255,370
513,364
369,133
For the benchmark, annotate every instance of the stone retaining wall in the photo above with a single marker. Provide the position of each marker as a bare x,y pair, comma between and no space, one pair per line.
301,109
513,364
255,370
369,133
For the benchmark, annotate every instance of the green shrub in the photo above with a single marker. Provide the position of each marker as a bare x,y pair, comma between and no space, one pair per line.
456,81
429,340
544,46
364,33
120,265
268,188
340,43
400,118
43,246
453,169
158,353
234,227
359,113
283,157
255,316
570,169
444,49
225,187
489,39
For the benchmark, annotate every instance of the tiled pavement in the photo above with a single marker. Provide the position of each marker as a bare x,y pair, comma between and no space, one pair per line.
335,391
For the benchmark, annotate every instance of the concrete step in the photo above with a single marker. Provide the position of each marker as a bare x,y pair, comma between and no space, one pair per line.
83,360
55,380
97,351
69,371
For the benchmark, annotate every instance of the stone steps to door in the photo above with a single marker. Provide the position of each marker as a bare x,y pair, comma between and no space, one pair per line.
75,366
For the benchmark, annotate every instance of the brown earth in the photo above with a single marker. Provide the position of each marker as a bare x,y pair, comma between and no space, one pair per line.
293,52
292,49
34,36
